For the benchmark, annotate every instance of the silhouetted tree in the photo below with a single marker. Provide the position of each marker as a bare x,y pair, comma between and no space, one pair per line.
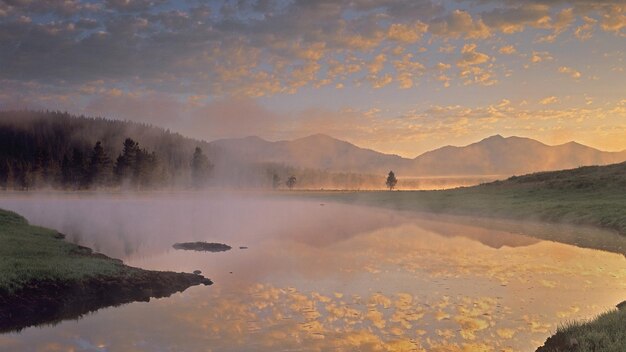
145,170
5,173
100,167
291,182
78,169
200,168
391,180
126,161
66,172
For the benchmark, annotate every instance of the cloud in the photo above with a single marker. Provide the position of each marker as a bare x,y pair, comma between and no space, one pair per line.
471,71
405,33
570,71
408,70
549,100
459,24
512,20
585,31
540,56
507,50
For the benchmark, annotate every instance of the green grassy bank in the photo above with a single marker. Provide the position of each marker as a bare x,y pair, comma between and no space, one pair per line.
594,196
44,279
604,333
30,253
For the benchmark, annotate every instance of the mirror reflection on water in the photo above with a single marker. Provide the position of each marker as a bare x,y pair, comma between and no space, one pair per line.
321,276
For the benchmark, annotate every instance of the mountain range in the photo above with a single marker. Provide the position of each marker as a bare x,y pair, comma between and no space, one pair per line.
38,142
495,155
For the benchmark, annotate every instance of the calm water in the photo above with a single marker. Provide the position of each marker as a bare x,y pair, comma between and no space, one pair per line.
321,277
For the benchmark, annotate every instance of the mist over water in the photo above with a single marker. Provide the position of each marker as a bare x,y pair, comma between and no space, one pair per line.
319,276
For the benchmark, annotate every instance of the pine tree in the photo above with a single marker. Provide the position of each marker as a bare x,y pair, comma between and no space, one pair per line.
99,171
200,168
66,172
391,180
126,162
78,170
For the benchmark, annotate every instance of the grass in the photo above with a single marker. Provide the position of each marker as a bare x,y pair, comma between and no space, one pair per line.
31,254
594,196
604,333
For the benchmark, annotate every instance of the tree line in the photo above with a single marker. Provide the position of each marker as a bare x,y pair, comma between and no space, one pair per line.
59,150
134,167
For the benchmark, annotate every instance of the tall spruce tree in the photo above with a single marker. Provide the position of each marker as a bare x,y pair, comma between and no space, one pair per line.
100,167
200,168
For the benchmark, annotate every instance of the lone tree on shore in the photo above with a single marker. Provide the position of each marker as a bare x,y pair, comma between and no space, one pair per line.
291,182
391,180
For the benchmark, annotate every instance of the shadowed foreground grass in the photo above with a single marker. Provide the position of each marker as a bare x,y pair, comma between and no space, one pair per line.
605,333
594,196
44,279
30,253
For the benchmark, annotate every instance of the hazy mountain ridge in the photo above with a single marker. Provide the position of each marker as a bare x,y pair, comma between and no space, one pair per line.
495,155
318,161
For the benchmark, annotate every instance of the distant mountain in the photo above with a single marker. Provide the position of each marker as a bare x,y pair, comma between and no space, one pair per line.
495,155
313,152
498,155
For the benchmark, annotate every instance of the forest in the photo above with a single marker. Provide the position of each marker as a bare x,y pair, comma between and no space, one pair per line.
56,150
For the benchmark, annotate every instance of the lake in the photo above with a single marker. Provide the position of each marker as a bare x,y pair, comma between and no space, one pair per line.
320,277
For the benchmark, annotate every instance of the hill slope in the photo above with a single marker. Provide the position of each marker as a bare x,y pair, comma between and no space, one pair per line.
592,195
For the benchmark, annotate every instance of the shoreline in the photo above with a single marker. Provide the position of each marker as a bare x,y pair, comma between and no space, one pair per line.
44,279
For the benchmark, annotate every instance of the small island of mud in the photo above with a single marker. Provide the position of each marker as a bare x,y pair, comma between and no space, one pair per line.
202,246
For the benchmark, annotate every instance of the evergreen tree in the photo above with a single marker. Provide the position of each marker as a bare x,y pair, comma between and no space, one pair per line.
200,168
145,169
78,170
391,180
125,165
99,171
66,172
5,173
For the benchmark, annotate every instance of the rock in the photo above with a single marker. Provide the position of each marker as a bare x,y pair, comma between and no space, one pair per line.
202,246
243,247
197,272
621,306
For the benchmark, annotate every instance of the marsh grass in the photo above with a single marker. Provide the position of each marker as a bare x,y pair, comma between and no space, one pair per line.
30,254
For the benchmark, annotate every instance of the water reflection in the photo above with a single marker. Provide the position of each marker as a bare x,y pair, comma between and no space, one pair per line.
335,278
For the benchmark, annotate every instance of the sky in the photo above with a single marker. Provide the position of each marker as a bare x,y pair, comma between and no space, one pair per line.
397,76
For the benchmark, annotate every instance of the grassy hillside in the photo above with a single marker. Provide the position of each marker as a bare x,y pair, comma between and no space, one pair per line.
594,195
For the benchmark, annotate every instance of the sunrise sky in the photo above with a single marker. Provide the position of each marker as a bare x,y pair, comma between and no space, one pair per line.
399,76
